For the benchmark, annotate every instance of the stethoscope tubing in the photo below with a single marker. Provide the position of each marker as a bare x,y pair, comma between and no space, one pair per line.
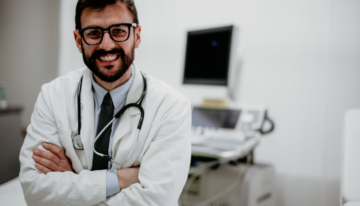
133,143
107,156
79,146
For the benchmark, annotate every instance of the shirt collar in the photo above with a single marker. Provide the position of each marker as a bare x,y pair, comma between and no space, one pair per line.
118,95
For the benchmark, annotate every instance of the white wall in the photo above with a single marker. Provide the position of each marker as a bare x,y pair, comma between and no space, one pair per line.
69,56
28,49
301,59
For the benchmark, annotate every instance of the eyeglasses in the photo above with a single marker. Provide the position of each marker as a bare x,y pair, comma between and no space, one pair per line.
117,32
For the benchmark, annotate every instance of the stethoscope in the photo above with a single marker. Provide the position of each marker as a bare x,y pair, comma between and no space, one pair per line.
77,139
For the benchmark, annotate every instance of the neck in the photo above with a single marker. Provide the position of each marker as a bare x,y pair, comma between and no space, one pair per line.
112,85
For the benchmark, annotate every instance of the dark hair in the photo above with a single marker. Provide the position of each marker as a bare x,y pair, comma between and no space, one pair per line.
99,5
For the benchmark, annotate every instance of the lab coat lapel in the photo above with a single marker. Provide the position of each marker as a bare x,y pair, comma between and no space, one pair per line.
132,114
87,116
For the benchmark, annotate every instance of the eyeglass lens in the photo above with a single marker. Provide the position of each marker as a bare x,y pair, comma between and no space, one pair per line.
117,32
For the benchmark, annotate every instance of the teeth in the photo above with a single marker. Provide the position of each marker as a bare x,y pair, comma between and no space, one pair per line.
107,58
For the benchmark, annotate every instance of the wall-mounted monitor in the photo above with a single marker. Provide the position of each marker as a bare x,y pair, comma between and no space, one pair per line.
208,55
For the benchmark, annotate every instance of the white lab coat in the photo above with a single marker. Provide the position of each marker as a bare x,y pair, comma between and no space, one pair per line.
163,149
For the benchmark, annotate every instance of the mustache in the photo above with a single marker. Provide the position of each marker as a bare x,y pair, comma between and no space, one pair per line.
102,52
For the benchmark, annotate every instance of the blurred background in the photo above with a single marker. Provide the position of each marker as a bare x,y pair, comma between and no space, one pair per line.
299,58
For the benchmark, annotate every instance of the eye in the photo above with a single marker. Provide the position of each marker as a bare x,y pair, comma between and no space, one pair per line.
118,31
92,33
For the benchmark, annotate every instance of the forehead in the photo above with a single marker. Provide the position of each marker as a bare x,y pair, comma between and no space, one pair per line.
111,14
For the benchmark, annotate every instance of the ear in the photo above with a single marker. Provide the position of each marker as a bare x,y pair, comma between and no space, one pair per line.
137,36
77,40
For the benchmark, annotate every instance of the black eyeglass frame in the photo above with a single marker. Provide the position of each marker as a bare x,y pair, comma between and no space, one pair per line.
129,25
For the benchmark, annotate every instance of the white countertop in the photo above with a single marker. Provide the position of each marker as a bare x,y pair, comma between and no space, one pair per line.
11,193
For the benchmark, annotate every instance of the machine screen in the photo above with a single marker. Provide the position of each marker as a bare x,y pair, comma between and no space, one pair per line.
207,56
218,118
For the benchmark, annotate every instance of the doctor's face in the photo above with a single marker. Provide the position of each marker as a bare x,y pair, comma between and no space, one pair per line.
109,59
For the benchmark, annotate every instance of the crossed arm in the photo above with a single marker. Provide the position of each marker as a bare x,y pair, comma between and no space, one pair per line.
54,160
163,173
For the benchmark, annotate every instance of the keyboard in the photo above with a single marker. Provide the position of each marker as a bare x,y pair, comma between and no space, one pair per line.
220,139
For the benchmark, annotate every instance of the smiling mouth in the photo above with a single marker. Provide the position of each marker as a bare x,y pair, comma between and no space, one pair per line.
109,57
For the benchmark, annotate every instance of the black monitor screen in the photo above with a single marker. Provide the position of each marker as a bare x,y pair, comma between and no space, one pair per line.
217,118
207,56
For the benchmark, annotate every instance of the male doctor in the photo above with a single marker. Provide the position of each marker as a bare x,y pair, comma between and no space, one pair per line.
54,172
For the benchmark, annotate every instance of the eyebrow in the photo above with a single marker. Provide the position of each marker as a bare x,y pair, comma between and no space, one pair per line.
91,26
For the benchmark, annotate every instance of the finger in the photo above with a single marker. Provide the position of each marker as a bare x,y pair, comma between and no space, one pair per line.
42,168
46,163
55,149
47,155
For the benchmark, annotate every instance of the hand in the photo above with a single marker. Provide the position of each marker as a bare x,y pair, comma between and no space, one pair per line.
128,176
53,160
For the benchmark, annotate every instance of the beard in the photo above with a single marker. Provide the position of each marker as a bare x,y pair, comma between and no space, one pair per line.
126,61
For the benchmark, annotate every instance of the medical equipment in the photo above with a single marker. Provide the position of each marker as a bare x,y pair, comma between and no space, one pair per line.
211,59
223,171
230,185
228,176
244,118
228,134
77,139
224,150
207,56
224,118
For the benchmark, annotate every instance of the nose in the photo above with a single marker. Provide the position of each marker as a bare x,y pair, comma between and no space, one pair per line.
107,43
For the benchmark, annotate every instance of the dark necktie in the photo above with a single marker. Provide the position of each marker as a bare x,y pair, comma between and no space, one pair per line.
102,144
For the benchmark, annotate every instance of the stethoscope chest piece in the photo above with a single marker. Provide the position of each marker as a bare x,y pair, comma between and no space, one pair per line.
78,143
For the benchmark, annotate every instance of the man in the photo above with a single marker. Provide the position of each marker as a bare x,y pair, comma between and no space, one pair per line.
60,168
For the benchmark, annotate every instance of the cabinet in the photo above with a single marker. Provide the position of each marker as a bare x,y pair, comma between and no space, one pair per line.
10,143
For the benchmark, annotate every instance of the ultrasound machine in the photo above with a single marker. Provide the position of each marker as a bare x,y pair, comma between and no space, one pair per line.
224,133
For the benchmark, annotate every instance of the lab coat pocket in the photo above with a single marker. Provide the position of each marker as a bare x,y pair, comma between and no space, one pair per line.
75,156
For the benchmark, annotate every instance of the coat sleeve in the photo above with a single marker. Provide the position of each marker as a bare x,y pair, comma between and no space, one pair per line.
165,165
55,188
